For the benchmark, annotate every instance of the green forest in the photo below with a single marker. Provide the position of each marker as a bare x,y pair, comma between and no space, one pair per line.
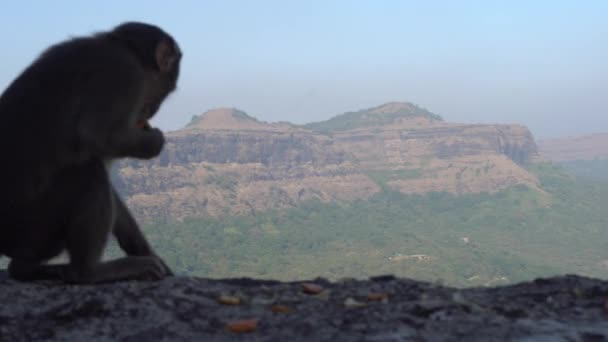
457,240
596,169
464,240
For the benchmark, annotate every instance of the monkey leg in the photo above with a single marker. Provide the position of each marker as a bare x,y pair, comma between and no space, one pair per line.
88,232
25,270
85,247
129,236
126,268
31,250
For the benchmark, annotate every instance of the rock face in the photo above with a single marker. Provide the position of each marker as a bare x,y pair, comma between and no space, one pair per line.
213,172
226,162
381,309
448,157
587,147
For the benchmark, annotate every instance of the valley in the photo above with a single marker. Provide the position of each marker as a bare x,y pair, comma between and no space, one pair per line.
390,189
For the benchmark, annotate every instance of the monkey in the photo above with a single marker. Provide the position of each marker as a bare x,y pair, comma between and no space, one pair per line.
81,105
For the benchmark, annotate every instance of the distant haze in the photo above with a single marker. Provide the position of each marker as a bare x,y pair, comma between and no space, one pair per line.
540,63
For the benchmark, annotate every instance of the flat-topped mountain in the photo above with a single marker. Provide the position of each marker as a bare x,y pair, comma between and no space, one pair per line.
227,162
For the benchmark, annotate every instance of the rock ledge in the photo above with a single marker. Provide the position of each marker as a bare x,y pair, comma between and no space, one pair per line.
380,309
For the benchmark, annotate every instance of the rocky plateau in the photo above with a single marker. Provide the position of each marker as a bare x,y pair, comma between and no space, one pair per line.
226,162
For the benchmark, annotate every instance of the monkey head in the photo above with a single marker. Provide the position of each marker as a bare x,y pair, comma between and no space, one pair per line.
160,56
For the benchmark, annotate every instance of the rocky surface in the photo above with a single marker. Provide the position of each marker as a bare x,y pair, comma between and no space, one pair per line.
585,147
226,162
380,309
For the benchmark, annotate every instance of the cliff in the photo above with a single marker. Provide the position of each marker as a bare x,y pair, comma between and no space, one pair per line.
380,309
226,162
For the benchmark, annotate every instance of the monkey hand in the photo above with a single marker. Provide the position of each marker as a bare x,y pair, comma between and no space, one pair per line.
152,268
168,271
150,143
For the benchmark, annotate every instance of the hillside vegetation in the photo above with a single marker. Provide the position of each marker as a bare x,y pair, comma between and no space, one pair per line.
466,240
595,169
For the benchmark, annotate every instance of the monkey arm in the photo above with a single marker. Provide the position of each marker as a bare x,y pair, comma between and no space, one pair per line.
127,232
130,238
112,103
137,143
123,139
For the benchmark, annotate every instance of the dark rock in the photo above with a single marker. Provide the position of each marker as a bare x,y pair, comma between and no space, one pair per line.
568,308
383,278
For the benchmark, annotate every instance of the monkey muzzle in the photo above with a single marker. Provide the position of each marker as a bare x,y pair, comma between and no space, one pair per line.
147,112
143,124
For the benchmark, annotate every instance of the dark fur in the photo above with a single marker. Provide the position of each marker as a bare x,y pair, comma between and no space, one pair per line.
64,119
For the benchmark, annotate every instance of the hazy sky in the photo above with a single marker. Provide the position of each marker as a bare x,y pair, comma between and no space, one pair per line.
540,63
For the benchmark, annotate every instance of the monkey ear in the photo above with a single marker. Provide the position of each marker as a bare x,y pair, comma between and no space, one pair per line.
166,56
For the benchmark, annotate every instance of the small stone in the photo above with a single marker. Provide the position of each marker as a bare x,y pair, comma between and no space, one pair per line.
377,297
324,295
312,288
229,300
242,326
280,309
262,301
458,297
352,303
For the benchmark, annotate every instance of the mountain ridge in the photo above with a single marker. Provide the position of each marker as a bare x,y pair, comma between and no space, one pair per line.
384,114
234,118
227,162
230,118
